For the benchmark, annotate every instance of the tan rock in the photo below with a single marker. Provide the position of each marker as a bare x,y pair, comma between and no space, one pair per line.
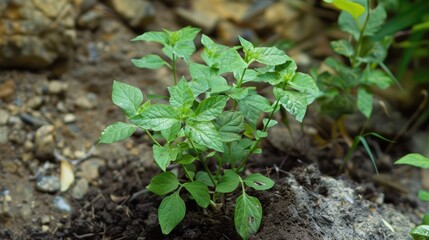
36,33
137,13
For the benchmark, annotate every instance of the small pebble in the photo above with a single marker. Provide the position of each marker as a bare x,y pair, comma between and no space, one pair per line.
45,220
4,116
57,87
80,189
69,118
62,204
48,184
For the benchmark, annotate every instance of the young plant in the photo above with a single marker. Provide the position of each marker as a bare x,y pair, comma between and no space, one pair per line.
420,161
347,87
210,127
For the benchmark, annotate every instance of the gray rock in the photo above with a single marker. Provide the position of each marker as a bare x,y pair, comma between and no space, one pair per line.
137,13
87,102
36,33
319,207
62,204
4,117
45,142
89,168
31,120
3,134
48,184
90,19
80,189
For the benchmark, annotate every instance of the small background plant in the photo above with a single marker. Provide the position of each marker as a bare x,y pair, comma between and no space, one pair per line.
417,160
347,88
207,121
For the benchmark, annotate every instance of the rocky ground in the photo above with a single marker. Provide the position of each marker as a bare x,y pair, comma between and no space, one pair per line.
57,183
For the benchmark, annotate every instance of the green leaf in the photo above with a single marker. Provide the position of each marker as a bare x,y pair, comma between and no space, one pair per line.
270,124
252,106
247,215
160,37
210,108
377,78
375,21
267,55
231,61
204,178
180,49
186,159
149,61
235,152
352,8
207,77
230,125
259,182
163,183
425,219
368,150
116,132
277,74
364,101
163,155
343,47
348,24
127,97
424,195
213,52
199,192
294,102
246,44
420,232
238,93
157,117
171,212
170,134
204,133
305,84
181,95
414,159
186,34
374,52
228,183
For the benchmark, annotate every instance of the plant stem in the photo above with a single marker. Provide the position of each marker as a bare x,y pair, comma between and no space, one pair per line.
359,42
239,83
255,144
203,161
152,138
186,172
174,69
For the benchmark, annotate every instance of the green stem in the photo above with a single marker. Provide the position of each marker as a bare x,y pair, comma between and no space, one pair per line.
256,144
186,172
174,69
152,138
239,83
359,42
204,163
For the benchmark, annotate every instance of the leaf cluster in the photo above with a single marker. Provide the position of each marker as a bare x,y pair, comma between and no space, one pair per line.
210,120
347,87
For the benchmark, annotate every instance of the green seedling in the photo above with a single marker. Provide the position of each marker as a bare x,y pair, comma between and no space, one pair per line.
420,232
209,126
347,87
